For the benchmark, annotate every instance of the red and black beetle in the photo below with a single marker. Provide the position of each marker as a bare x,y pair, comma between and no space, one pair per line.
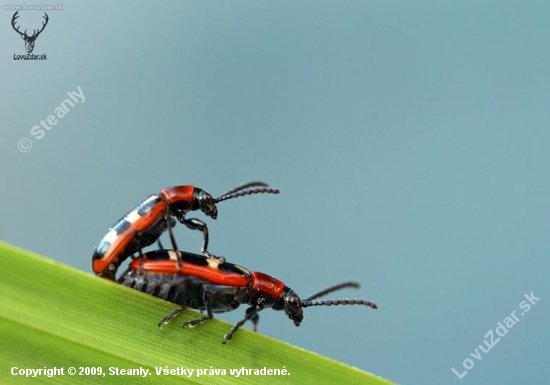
144,225
217,286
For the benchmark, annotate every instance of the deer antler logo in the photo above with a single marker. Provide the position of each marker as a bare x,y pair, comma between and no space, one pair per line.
29,40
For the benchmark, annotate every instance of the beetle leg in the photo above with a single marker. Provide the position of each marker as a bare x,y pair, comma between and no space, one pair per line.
171,315
170,222
137,236
197,224
250,314
195,322
255,319
209,315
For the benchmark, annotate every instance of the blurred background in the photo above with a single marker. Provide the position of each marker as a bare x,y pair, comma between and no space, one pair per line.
410,143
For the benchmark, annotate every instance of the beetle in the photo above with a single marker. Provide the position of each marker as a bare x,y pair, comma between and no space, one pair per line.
218,286
144,225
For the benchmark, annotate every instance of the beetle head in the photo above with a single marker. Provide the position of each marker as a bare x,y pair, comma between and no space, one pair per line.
205,203
291,303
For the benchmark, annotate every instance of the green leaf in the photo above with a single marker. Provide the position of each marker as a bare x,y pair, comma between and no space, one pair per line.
52,315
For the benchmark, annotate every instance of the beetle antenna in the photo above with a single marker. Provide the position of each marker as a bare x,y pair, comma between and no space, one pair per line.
247,185
243,192
330,289
335,302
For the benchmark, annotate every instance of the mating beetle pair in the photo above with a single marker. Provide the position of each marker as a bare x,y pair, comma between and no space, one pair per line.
202,282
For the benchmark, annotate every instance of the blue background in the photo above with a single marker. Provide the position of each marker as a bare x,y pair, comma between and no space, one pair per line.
410,143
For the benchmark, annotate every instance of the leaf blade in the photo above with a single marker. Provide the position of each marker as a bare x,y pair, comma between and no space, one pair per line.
58,316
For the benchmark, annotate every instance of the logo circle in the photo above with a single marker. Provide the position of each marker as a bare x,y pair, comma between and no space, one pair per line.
24,145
